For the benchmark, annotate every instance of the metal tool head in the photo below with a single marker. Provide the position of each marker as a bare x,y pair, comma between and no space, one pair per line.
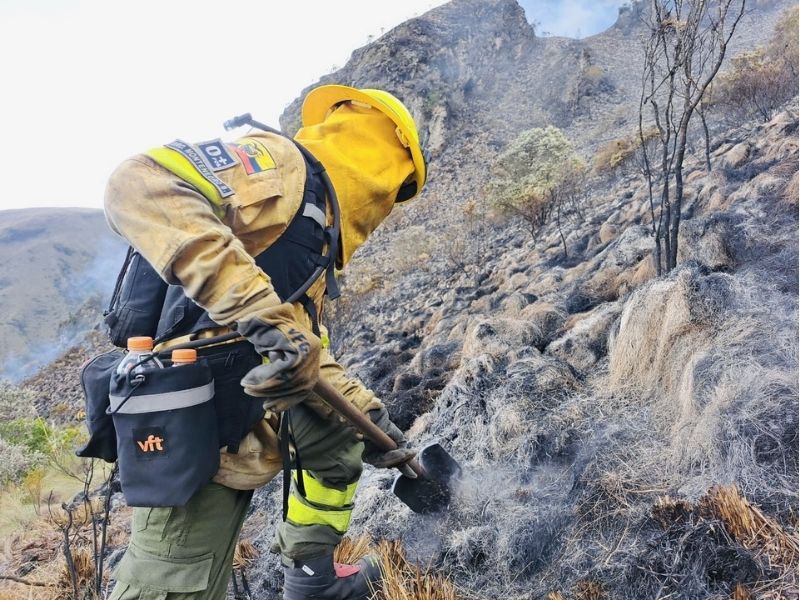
431,493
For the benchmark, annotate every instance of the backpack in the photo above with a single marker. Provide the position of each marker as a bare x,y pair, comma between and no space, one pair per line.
143,304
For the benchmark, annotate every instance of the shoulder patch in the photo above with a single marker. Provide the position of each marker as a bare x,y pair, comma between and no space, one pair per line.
216,155
193,156
254,155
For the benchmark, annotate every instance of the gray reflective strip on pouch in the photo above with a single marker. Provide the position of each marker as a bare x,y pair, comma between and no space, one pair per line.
314,212
166,401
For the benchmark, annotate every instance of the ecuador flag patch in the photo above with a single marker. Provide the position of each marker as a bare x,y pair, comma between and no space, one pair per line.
254,156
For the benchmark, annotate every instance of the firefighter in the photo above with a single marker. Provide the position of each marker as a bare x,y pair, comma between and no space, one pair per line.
234,228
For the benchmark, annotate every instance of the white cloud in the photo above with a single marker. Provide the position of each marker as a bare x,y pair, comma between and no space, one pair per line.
90,82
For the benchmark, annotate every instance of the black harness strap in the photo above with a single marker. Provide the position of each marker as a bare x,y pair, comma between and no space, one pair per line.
120,278
286,437
311,309
283,438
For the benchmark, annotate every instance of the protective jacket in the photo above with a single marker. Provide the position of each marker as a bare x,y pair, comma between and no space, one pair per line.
201,213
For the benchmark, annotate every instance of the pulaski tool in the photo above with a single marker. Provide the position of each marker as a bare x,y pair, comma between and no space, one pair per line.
436,470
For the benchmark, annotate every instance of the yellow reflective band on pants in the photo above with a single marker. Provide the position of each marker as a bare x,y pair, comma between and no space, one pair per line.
317,493
321,505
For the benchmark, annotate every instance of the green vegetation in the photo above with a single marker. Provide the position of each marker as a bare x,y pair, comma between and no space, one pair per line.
28,441
38,439
538,178
38,463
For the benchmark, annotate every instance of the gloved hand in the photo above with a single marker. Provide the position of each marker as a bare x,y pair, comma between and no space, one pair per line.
393,458
293,357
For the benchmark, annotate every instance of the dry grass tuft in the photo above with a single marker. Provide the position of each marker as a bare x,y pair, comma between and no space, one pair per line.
84,571
405,581
583,590
750,527
788,170
740,592
350,550
402,580
791,193
731,536
81,514
590,590
643,272
244,555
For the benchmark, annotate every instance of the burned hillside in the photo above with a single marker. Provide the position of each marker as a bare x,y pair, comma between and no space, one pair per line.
622,434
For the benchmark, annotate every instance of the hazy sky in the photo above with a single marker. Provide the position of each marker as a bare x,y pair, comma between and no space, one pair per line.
87,83
572,18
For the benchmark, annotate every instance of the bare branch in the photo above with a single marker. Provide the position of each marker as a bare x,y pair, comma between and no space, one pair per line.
26,581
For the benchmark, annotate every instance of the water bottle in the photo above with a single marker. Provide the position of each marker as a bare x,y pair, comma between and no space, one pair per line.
184,356
139,349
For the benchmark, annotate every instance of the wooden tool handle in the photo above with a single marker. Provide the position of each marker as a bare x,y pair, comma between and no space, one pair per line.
360,421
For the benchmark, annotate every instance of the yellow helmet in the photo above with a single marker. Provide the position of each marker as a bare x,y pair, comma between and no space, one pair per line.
320,101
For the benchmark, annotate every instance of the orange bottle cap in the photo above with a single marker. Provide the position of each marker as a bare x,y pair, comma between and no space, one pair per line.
140,344
184,355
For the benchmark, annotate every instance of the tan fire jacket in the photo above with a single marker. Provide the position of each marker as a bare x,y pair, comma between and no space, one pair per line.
199,213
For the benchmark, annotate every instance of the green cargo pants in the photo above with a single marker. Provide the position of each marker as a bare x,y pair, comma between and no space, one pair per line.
186,552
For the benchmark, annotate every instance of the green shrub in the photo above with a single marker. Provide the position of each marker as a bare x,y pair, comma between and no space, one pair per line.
538,176
35,437
17,462
15,402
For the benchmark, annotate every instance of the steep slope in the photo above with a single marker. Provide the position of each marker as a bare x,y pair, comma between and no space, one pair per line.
53,261
595,408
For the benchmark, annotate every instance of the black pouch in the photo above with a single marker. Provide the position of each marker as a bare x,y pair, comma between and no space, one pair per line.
237,411
136,302
96,380
167,438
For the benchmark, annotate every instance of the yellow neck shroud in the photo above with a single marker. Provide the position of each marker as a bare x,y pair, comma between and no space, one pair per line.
367,164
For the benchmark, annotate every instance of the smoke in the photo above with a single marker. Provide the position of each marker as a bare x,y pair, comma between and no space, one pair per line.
100,274
87,294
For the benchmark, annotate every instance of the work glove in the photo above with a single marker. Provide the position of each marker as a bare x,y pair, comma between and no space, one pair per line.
291,368
393,458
